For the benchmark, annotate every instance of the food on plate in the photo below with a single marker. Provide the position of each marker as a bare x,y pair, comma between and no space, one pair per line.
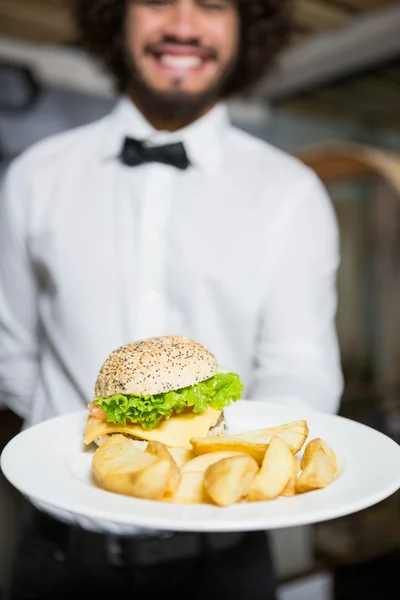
319,472
229,479
290,487
314,445
175,431
162,453
167,389
293,434
190,490
243,471
120,467
228,443
181,455
158,422
296,465
255,442
202,462
276,470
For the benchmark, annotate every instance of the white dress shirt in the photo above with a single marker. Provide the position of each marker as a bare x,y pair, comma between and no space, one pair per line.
240,252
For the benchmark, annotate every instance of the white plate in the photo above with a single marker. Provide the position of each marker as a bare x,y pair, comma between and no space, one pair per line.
49,464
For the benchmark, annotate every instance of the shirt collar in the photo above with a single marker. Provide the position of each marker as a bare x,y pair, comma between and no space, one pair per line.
203,139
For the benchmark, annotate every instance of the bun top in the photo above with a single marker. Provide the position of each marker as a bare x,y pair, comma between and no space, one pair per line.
154,366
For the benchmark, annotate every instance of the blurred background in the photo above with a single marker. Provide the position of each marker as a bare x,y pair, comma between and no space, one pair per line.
334,102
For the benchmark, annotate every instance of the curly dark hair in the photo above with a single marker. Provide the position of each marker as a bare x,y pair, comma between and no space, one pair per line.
265,26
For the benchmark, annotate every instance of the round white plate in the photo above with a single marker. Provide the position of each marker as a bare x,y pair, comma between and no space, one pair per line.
49,464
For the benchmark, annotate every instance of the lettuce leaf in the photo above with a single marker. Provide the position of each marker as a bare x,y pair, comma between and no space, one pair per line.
216,392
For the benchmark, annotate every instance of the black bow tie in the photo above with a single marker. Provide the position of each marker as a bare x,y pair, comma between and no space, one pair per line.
134,152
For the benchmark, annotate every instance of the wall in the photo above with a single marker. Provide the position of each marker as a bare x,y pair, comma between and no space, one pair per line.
57,110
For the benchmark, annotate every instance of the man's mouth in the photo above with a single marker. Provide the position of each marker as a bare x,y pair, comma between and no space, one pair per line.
181,59
183,63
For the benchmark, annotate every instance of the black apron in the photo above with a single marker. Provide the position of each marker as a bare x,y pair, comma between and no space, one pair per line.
57,561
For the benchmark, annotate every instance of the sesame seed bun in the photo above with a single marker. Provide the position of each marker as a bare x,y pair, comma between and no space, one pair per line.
154,366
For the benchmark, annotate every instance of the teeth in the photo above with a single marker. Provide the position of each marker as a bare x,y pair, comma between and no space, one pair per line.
180,62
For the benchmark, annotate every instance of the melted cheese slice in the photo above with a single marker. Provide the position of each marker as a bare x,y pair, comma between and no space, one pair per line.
175,431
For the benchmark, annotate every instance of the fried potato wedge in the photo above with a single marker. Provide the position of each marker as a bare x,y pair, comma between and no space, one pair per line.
255,443
225,443
294,435
190,490
290,487
228,480
181,455
276,470
120,467
316,444
297,465
318,473
251,466
152,482
161,452
202,462
141,445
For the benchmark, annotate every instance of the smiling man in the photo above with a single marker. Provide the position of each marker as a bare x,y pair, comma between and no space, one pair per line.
180,56
159,219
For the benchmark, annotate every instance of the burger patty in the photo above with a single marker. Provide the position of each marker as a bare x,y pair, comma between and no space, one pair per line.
220,427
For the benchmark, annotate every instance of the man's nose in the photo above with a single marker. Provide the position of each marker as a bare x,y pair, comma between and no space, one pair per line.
183,21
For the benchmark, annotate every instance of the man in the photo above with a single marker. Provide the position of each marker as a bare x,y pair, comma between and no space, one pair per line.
162,218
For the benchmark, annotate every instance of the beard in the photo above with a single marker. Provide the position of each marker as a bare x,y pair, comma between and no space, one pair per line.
176,103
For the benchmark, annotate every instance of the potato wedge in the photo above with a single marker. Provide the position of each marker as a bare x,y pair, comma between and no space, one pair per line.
181,455
161,452
254,443
277,468
297,465
116,463
294,434
140,444
202,462
190,490
318,473
228,480
290,487
312,446
153,481
225,443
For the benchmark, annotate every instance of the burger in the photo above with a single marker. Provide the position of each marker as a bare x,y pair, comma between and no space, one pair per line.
167,389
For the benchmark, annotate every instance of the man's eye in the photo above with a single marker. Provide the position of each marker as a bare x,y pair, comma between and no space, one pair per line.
215,5
156,2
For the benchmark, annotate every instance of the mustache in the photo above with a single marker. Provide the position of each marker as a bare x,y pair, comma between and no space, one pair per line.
206,52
